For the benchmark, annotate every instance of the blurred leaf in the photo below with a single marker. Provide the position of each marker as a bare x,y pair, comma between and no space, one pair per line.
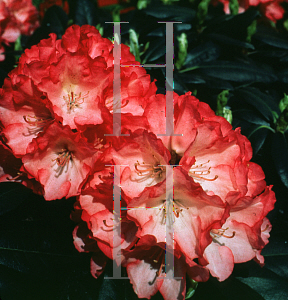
56,20
203,53
282,54
283,104
160,32
230,25
283,75
3,75
172,12
156,49
231,288
85,13
249,116
271,37
120,289
280,156
190,78
215,83
236,71
229,41
257,137
265,281
261,101
36,3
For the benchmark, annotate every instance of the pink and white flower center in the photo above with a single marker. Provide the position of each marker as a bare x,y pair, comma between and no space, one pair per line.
63,159
73,100
170,211
146,171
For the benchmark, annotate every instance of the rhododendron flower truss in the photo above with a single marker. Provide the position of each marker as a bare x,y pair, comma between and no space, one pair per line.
57,125
60,160
188,209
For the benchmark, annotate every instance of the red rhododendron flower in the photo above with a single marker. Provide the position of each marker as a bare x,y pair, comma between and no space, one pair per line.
240,239
146,268
190,210
23,113
271,9
145,164
60,160
16,17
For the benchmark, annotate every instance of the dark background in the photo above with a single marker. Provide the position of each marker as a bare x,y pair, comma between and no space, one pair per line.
37,256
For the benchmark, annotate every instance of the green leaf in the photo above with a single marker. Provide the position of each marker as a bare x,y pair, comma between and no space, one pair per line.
236,71
266,281
262,102
229,41
283,104
280,156
271,37
172,12
258,137
85,13
283,75
249,116
156,50
202,53
191,286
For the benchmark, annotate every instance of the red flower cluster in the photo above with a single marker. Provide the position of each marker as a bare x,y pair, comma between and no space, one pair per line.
272,9
16,17
56,113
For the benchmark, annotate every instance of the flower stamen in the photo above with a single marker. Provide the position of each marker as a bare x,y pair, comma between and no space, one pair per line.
201,171
267,226
173,210
221,232
110,227
63,159
110,105
37,123
148,170
73,100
